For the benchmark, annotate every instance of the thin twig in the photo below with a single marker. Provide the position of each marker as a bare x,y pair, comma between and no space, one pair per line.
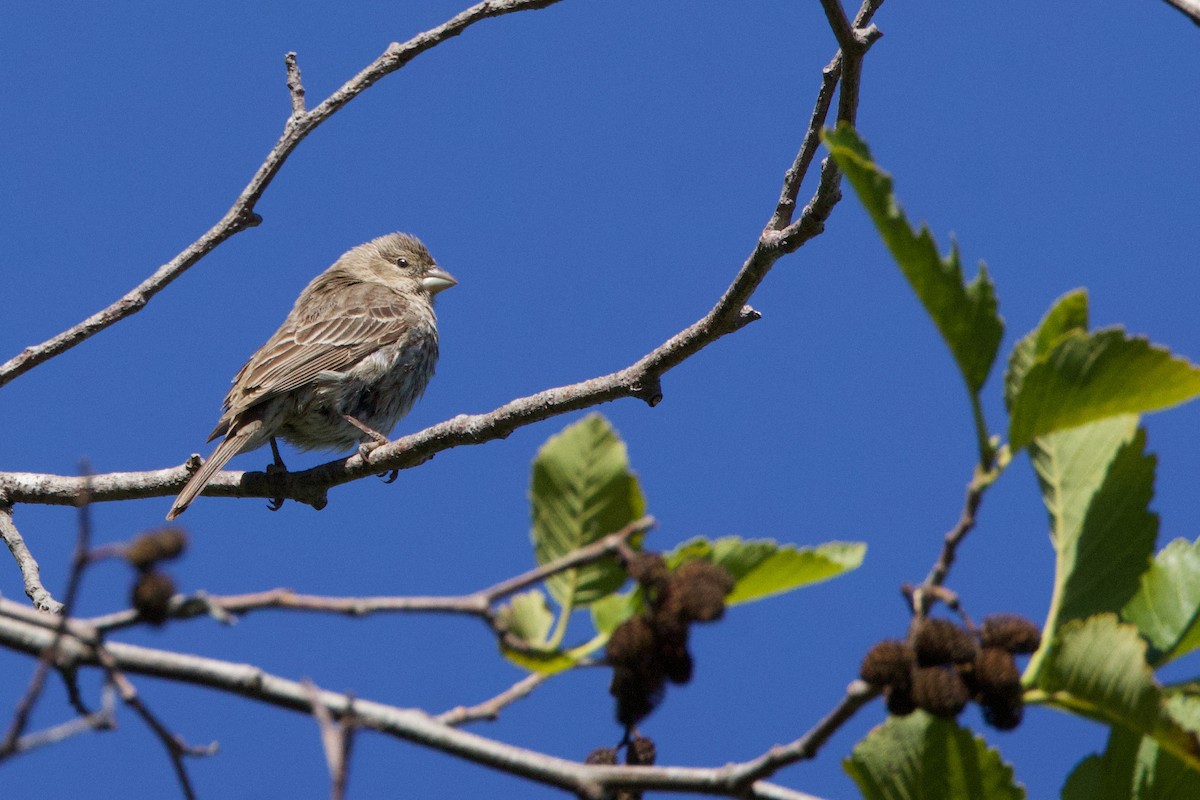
858,694
18,633
953,538
490,709
294,84
103,719
49,656
336,740
474,604
30,572
174,745
241,215
641,379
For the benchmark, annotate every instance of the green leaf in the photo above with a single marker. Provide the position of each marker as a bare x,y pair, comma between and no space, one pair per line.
763,567
964,313
760,568
1101,664
919,757
582,490
1097,668
1166,608
609,612
1069,314
1087,377
528,620
528,617
1097,484
1132,768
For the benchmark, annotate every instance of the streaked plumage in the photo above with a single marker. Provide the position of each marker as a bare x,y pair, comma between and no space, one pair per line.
361,341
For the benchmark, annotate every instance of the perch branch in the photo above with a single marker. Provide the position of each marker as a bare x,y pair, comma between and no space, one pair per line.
641,379
20,630
241,215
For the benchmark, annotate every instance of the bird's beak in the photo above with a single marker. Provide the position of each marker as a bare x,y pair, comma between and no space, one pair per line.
437,279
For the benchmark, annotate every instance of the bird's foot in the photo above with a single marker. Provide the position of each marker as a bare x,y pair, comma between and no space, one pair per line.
276,469
389,476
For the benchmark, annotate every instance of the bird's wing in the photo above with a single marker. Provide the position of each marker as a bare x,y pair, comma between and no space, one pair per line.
367,317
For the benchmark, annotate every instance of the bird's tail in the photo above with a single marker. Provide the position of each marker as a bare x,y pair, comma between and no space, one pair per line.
230,447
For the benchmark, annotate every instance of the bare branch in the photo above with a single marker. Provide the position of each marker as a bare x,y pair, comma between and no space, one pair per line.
102,720
174,745
858,694
20,630
295,86
30,572
49,656
641,379
476,604
490,709
241,215
336,740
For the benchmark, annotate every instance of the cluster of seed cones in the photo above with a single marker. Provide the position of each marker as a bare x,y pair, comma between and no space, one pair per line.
942,666
639,751
153,590
650,648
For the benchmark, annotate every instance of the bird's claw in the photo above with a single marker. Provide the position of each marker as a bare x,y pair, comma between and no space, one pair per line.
275,503
390,475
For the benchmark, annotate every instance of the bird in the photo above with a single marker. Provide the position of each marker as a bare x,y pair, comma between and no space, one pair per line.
356,351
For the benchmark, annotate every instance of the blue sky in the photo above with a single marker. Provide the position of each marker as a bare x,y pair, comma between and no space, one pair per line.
593,174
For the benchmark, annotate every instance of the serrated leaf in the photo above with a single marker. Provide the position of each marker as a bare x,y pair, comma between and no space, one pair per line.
1101,663
919,757
1132,768
1166,608
763,567
1097,484
964,313
1087,377
1097,667
1068,314
582,490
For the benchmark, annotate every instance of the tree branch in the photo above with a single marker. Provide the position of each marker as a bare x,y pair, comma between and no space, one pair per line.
30,571
20,629
476,603
241,215
641,379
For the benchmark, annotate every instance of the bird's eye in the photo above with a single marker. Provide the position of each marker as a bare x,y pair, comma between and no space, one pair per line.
401,262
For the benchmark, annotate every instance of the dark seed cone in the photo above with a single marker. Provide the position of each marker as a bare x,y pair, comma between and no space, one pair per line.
602,755
940,691
153,546
888,663
939,641
1011,632
641,752
631,642
152,596
676,662
1004,716
638,692
700,587
900,701
650,570
995,675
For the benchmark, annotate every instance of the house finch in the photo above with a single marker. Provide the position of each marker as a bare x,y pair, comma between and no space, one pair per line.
349,361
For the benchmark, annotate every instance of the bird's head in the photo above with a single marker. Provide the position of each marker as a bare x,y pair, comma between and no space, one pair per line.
402,262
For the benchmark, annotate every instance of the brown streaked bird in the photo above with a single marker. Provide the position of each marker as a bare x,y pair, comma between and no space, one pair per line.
354,354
